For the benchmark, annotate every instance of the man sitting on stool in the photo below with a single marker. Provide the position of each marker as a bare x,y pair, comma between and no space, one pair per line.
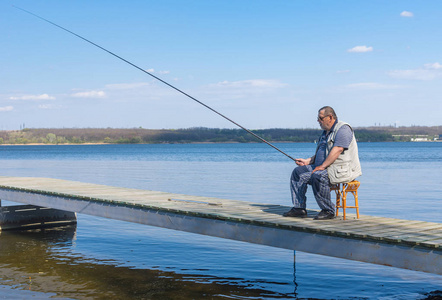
336,161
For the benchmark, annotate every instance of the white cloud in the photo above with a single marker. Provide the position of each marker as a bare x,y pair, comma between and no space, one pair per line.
33,97
372,86
48,106
407,14
254,83
427,72
360,49
433,66
6,108
152,70
89,94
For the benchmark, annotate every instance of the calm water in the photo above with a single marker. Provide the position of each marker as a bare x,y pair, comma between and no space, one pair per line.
108,259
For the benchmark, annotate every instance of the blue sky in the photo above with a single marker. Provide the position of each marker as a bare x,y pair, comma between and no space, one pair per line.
264,64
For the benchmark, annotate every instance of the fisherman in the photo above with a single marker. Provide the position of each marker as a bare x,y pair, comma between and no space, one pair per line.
336,160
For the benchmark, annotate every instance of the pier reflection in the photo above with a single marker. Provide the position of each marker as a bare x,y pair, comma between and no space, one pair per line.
42,261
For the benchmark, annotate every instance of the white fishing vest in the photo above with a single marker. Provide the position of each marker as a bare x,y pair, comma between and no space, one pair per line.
347,166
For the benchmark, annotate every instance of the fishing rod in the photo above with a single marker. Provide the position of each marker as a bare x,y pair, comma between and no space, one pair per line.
157,78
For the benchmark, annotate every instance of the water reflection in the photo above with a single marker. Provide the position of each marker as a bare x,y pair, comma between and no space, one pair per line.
40,260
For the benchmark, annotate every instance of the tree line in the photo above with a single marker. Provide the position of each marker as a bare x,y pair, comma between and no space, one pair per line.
195,135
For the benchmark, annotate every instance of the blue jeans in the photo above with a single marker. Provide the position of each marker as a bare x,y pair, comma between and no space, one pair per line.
301,177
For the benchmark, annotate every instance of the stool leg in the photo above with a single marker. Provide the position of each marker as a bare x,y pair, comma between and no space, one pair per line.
338,201
344,202
338,198
356,203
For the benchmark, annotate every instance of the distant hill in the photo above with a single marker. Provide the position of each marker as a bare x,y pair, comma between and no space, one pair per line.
203,135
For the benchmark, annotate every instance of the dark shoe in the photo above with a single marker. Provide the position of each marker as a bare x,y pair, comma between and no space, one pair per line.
296,212
325,215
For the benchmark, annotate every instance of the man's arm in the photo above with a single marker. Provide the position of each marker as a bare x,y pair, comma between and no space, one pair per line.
332,156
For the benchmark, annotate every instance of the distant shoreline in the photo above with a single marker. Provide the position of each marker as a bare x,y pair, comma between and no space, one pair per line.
194,143
101,136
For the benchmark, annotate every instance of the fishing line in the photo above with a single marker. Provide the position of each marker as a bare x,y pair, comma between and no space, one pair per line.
157,78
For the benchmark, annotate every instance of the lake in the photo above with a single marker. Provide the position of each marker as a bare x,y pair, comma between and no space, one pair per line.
107,259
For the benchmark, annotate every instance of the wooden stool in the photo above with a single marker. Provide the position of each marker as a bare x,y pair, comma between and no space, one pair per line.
341,195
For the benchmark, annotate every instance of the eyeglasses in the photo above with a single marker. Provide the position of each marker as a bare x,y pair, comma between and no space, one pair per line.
322,118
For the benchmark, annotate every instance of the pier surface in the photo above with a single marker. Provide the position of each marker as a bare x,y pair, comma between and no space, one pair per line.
414,245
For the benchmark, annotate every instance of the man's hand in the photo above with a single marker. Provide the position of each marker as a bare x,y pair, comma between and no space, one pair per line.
318,168
302,162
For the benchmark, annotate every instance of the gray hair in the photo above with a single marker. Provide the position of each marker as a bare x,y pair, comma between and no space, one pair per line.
329,111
